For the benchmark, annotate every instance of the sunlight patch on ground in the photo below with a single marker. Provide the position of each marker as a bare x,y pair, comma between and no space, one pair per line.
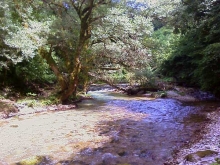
61,134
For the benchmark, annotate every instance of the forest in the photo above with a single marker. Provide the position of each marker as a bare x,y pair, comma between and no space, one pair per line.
70,44
109,82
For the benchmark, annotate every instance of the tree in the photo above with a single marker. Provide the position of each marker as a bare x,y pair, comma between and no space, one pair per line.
196,58
22,32
21,36
8,25
80,39
117,43
69,42
162,44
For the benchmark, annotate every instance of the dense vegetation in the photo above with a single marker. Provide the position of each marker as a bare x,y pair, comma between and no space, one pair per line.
196,58
73,43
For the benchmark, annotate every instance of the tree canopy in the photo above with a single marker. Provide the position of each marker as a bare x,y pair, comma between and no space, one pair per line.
76,42
196,58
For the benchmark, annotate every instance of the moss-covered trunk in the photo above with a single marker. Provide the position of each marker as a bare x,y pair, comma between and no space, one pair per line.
72,83
50,61
68,85
85,34
73,59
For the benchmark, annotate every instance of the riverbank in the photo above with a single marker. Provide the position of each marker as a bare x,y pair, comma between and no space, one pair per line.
204,150
103,140
9,108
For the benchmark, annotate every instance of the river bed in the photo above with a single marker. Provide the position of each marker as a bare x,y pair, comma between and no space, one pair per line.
110,129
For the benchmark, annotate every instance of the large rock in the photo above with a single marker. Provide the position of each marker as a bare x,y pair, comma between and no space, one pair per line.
200,155
7,107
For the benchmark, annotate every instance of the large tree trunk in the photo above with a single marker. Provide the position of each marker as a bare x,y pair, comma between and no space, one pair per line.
85,35
72,83
84,10
67,84
50,61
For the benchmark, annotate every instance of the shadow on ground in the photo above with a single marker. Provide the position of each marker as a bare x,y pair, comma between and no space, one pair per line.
131,142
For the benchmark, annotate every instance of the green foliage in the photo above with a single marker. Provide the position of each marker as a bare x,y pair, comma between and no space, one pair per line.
118,38
83,39
196,58
31,94
35,69
208,68
31,103
30,100
180,63
7,54
21,33
118,44
163,44
145,77
53,99
27,72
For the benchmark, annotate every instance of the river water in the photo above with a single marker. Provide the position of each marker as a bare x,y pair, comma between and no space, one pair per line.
111,129
167,125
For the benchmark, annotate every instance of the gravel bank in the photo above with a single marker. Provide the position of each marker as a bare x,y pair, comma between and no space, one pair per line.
203,151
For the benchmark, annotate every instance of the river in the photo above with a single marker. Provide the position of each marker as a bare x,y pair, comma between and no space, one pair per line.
111,129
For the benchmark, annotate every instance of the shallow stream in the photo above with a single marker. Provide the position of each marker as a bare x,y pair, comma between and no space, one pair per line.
111,129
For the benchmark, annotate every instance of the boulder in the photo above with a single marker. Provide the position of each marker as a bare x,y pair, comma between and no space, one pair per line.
197,156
